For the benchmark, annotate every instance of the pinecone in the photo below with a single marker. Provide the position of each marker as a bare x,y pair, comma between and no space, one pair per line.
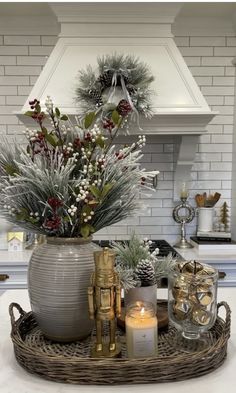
95,94
124,108
145,273
106,79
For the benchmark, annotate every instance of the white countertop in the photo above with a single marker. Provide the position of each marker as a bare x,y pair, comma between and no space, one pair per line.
14,379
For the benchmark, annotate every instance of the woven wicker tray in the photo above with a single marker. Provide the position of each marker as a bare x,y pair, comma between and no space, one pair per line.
71,363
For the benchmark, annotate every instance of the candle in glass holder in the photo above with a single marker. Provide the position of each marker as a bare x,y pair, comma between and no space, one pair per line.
184,191
141,330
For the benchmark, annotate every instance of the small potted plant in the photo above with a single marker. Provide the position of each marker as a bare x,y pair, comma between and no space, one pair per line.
140,269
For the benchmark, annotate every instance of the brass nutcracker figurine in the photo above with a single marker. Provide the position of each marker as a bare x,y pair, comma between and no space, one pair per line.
104,297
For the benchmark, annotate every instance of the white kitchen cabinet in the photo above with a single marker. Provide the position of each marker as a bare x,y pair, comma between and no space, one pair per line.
13,269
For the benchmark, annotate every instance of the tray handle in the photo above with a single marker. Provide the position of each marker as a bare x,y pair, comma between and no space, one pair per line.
12,316
227,317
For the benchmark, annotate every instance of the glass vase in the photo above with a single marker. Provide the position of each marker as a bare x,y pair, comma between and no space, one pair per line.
192,299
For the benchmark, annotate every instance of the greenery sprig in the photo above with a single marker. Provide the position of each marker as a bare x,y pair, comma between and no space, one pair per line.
70,181
137,265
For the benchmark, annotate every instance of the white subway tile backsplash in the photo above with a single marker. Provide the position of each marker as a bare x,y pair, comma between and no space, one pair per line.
7,60
16,100
214,175
218,90
49,40
8,109
22,70
225,51
224,109
162,194
223,166
221,138
31,60
204,139
2,100
228,128
162,157
207,41
1,39
13,50
204,80
15,129
24,90
206,184
215,100
215,148
215,128
14,80
221,119
230,71
168,203
226,185
223,80
1,70
217,61
40,50
8,90
182,41
201,166
147,230
228,100
227,157
8,119
3,129
162,212
204,71
231,41
152,147
196,51
33,80
167,220
207,157
21,40
149,203
168,176
168,147
192,61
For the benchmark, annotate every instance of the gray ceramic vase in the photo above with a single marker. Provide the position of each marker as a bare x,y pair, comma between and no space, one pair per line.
144,294
58,279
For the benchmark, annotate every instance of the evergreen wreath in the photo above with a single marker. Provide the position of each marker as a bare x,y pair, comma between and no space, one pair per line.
121,85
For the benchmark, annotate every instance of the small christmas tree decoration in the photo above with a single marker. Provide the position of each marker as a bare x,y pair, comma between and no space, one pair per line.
145,273
224,215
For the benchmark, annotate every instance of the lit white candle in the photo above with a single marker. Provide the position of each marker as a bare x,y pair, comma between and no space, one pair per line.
184,191
141,330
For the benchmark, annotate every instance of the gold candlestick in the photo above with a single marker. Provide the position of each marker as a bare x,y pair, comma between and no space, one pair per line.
104,296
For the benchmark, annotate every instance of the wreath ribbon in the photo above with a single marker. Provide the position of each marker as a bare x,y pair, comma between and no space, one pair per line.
120,73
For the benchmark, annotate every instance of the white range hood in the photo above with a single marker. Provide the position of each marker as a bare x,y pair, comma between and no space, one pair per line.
141,29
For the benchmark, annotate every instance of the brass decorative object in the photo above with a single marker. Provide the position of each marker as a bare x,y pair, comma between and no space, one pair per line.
183,219
104,296
192,298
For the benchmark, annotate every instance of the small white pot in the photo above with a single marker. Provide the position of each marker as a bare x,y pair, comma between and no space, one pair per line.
205,219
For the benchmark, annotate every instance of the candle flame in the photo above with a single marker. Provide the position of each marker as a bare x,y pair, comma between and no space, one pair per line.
142,312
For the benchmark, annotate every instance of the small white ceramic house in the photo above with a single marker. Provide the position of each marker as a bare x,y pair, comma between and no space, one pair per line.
15,241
